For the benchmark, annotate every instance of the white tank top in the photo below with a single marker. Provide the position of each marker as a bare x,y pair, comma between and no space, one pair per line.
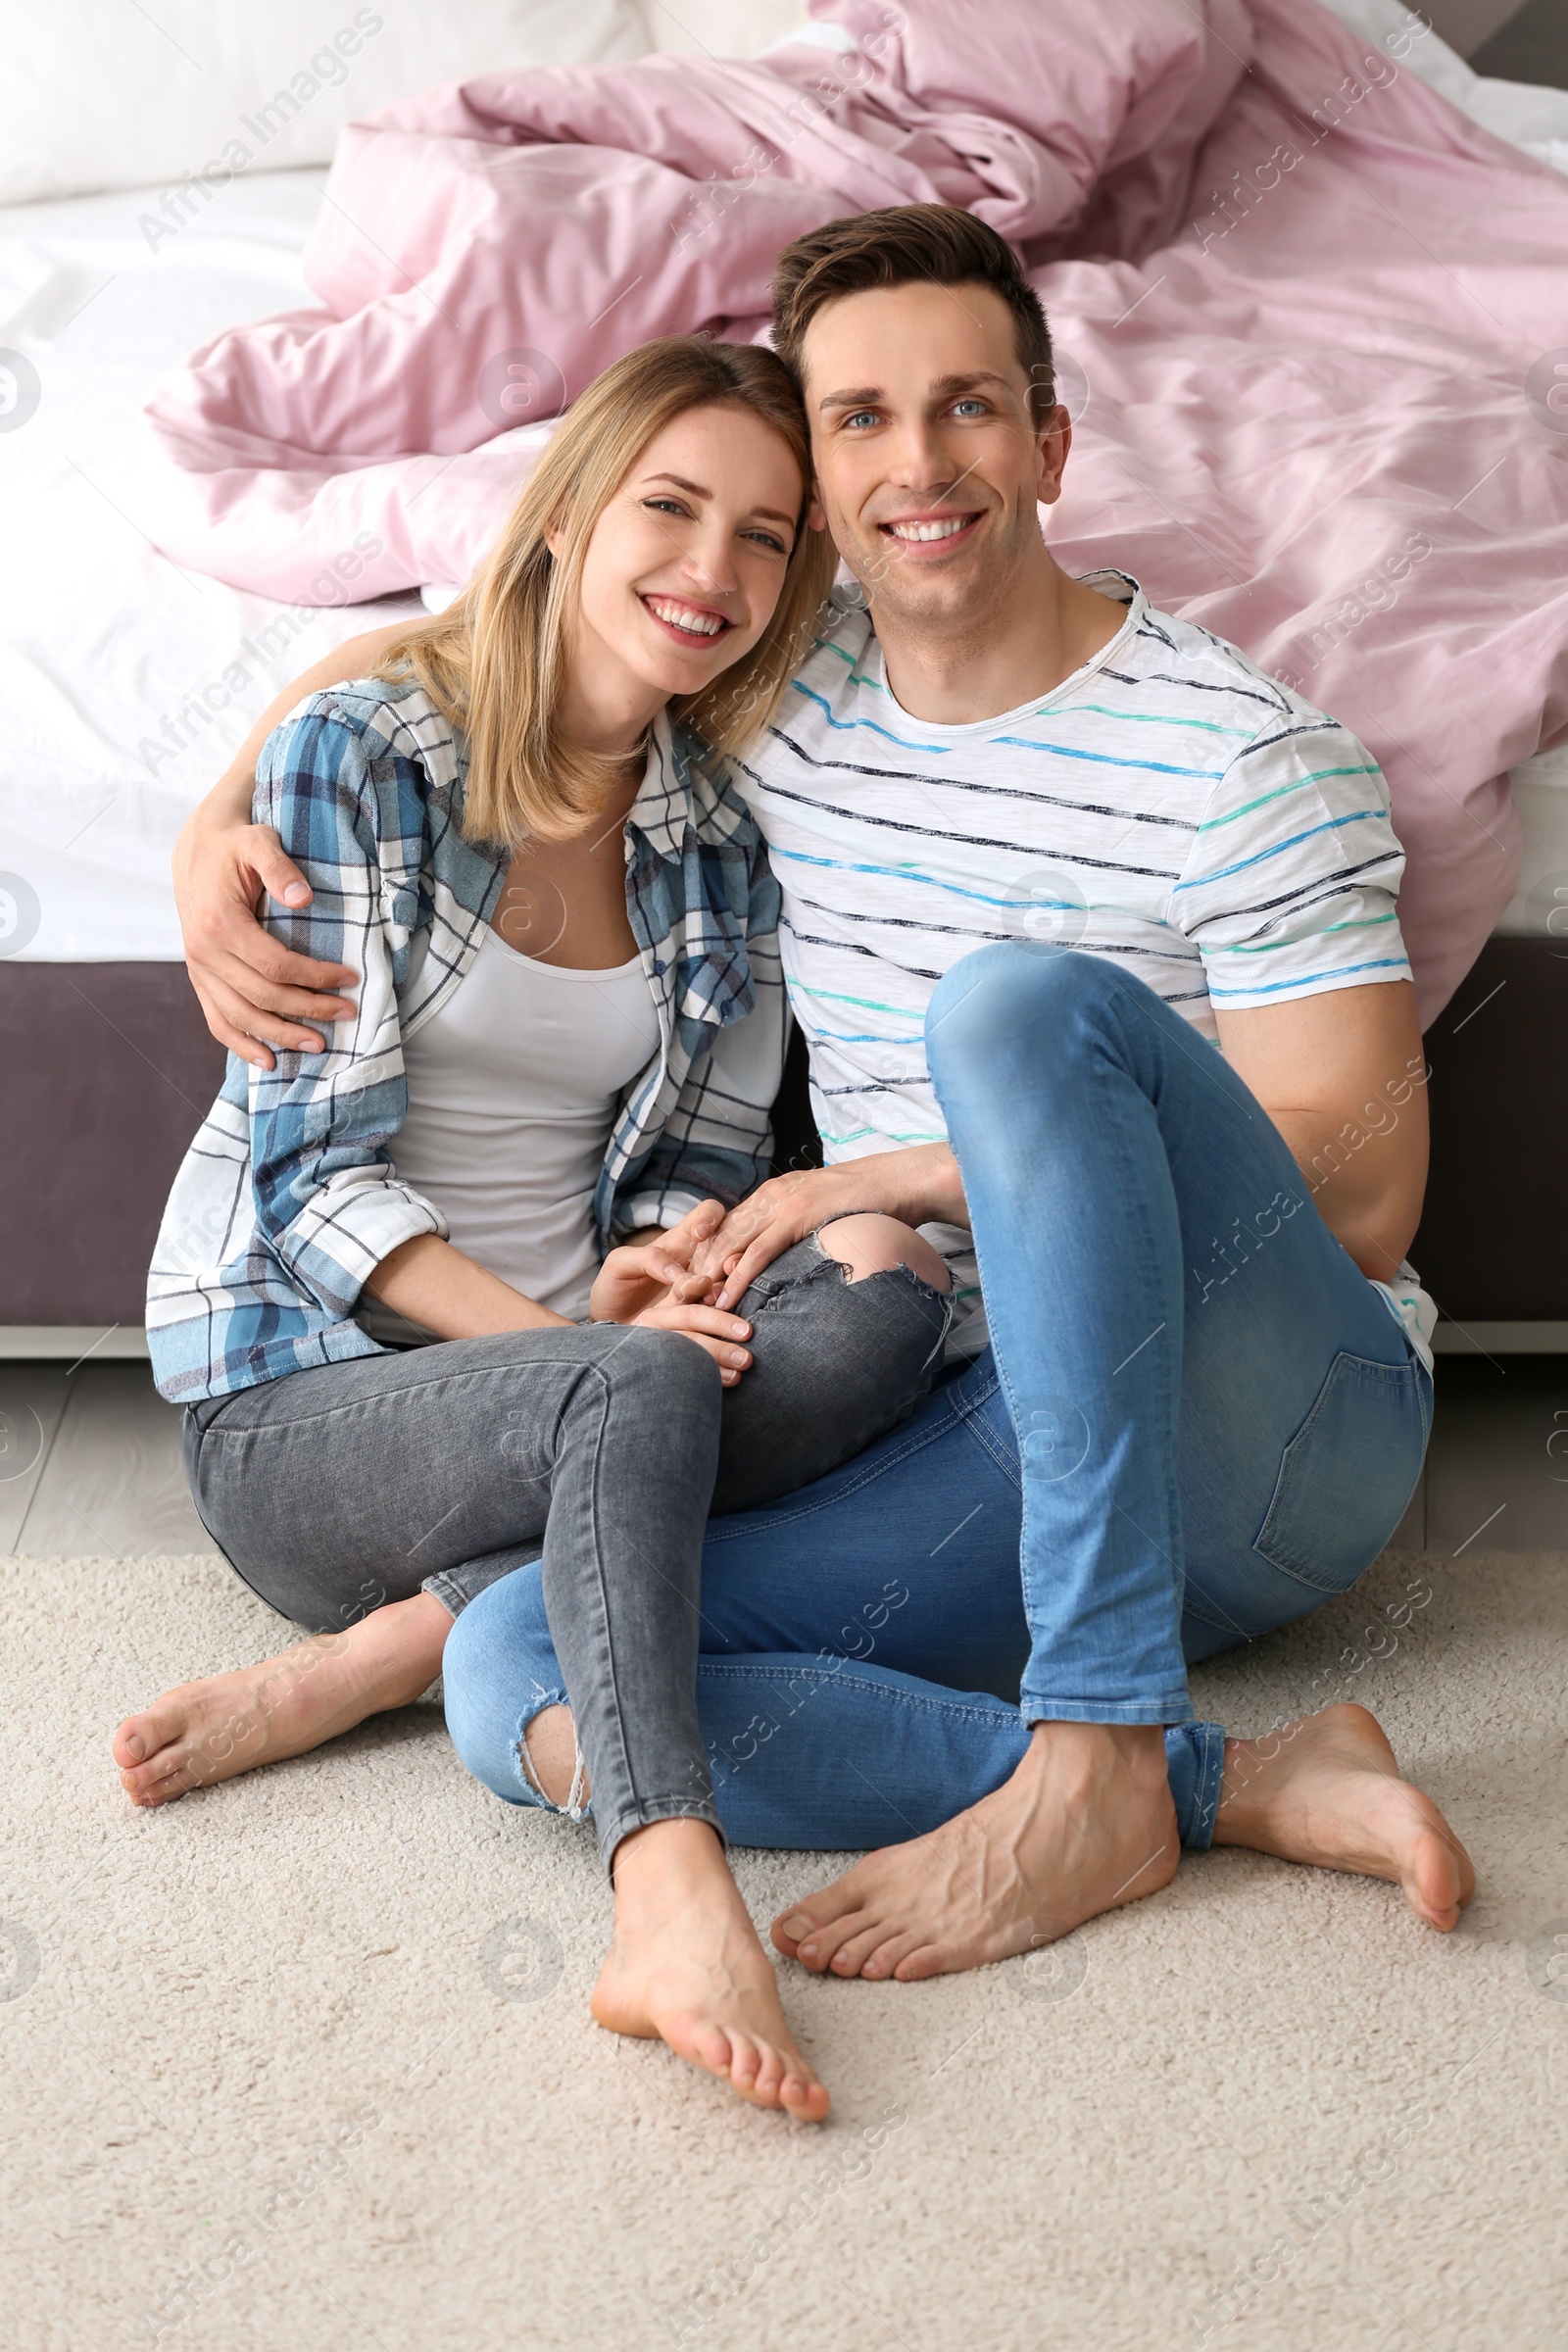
514,1087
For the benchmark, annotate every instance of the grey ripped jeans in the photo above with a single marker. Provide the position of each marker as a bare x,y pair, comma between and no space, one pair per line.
335,1490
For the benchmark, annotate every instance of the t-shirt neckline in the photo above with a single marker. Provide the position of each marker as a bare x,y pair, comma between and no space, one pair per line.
563,971
1036,703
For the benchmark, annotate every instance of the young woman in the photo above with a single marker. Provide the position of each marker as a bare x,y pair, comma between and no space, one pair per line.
379,1290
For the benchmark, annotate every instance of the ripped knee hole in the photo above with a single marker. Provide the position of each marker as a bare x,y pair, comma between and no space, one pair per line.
867,1242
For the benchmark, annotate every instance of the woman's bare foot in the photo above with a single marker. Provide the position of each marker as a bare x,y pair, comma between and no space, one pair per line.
227,1723
1085,1823
1327,1791
686,1968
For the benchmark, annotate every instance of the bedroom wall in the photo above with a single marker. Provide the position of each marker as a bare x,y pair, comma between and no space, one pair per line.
1466,23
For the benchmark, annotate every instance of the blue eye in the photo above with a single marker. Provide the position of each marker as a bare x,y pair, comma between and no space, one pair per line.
975,407
861,416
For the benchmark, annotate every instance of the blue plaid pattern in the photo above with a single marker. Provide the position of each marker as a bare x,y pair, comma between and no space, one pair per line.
289,1196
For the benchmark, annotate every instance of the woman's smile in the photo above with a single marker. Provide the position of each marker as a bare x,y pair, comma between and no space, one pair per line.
684,620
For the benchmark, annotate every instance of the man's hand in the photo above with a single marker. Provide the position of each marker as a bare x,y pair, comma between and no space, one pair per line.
919,1187
253,990
653,1284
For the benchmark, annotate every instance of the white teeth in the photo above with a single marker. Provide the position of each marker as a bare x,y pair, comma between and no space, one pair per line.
685,617
929,531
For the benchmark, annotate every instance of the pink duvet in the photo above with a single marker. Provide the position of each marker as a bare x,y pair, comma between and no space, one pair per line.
1309,319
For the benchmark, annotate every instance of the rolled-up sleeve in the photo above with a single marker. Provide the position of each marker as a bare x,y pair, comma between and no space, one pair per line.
330,1204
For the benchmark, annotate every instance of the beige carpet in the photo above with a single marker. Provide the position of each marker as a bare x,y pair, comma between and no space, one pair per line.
279,2076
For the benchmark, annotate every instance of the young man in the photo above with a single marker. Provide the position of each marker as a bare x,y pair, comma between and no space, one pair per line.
1214,1413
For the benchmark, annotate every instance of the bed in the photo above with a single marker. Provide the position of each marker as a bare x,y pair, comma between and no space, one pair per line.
126,680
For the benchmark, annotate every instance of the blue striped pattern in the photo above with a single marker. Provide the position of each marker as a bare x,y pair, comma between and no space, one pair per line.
1170,808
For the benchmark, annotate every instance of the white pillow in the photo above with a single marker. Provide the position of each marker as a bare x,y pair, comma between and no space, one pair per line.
721,27
109,94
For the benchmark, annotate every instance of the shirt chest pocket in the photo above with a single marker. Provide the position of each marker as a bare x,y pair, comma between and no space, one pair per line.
712,979
399,908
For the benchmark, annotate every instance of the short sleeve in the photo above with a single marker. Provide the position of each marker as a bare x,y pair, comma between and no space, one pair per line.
1291,886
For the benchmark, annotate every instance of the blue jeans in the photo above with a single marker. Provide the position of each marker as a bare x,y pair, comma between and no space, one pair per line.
1197,1422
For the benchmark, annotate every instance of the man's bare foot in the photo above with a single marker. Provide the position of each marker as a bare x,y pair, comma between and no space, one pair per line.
1085,1823
686,1968
1327,1791
211,1729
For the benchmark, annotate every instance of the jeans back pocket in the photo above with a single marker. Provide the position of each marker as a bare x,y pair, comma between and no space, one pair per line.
1348,1472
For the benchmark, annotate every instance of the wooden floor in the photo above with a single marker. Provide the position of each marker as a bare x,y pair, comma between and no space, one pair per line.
90,1461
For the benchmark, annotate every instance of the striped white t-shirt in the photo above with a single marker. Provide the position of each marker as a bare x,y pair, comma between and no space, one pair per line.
1169,805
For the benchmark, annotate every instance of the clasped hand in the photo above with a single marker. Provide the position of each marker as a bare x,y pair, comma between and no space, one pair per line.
655,1284
691,1278
918,1186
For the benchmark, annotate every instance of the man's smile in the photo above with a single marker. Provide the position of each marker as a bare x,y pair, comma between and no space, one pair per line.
940,532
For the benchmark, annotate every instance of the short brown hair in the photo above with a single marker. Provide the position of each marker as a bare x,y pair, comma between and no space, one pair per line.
910,244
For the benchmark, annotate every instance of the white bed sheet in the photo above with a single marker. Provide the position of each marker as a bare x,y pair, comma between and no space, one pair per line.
104,643
1539,906
107,648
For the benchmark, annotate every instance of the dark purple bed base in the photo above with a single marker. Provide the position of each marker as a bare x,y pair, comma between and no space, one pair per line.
106,1070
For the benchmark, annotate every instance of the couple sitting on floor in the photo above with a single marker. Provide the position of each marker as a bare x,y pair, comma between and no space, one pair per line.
881,1505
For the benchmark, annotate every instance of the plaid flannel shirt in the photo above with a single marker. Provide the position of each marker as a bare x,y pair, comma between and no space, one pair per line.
289,1196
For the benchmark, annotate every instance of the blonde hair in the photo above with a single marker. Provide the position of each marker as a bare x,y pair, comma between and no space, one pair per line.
494,662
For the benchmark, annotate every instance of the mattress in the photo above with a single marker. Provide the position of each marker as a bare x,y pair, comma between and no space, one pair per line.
125,682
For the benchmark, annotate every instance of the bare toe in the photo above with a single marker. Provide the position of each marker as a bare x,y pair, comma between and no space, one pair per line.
853,1953
1085,1823
813,1931
140,1736
686,1967
159,1782
805,2097
1438,1879
1328,1792
886,1959
761,2077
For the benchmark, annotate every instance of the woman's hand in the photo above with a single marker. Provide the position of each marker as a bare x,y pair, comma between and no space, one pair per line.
642,1273
920,1185
652,1282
